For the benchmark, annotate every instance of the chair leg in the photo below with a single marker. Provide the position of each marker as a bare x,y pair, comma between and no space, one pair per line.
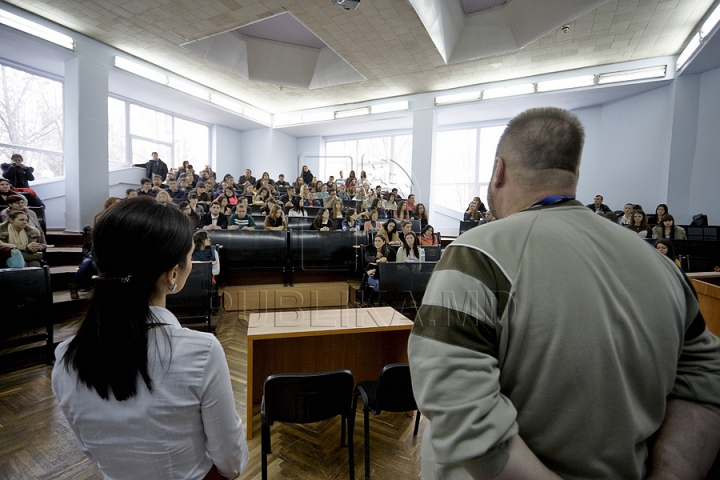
264,466
366,414
264,448
351,445
417,422
342,430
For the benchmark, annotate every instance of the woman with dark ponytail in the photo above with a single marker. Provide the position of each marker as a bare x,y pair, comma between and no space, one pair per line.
145,397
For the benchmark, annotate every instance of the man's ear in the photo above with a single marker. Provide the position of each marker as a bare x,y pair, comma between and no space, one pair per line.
498,177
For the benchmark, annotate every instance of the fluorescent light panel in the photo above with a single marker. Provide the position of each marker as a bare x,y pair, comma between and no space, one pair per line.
189,88
390,107
457,98
36,30
692,45
630,75
566,83
710,23
354,112
141,70
522,89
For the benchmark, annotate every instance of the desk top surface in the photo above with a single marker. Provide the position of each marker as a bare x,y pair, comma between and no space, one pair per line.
313,322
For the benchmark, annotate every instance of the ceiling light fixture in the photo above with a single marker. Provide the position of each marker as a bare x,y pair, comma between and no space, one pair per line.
189,88
629,75
566,83
522,89
390,107
457,98
710,23
141,70
354,112
36,30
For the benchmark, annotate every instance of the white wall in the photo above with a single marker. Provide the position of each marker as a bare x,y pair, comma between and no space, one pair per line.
627,152
266,150
227,152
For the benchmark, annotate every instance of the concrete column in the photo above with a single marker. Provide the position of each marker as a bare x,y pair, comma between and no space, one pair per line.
85,96
423,153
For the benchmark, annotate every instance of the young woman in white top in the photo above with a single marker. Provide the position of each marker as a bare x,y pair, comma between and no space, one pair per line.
145,397
409,250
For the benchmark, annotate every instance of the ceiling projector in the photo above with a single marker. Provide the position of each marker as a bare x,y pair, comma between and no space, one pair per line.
347,4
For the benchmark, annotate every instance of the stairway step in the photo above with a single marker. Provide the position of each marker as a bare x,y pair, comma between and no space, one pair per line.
63,238
58,256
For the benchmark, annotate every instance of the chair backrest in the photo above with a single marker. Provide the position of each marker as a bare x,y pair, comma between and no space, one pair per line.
26,299
394,389
197,292
432,253
307,397
465,226
416,226
299,223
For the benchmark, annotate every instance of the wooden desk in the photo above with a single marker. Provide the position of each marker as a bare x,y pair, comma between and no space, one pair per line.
362,340
708,292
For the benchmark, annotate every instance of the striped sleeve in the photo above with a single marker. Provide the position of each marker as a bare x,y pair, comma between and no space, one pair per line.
453,354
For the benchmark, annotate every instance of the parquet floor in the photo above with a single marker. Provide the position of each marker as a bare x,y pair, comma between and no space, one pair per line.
37,443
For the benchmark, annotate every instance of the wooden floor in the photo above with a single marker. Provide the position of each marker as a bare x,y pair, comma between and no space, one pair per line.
37,443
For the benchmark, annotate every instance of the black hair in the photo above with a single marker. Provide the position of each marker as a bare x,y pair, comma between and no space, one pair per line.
415,248
669,245
297,205
317,224
665,207
134,242
199,240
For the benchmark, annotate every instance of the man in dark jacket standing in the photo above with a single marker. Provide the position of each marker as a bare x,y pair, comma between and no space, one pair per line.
156,167
17,173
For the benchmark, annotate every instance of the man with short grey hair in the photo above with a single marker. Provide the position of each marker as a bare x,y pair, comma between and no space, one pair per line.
552,344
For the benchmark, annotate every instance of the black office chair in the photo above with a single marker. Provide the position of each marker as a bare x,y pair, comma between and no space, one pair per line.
308,398
392,392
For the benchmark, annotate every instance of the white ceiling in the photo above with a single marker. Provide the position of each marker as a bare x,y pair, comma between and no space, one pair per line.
384,40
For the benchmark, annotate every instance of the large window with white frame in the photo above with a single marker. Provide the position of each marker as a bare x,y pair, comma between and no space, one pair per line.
135,131
31,121
386,160
465,159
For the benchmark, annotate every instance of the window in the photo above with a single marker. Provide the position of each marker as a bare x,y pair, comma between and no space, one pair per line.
386,160
31,121
135,131
465,159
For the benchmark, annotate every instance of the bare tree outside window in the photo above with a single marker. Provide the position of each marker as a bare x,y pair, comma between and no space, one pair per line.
31,121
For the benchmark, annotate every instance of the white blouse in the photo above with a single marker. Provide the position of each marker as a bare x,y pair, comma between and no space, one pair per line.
187,424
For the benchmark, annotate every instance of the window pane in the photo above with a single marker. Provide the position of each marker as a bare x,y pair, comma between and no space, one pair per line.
46,165
116,134
489,138
192,142
149,123
31,115
402,154
455,156
456,197
142,151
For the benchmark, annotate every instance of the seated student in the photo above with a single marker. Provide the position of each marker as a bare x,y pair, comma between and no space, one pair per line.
225,206
401,212
281,181
275,220
190,177
186,209
377,206
297,209
164,197
665,247
351,223
322,221
420,214
409,250
18,202
660,210
627,215
428,236
287,199
331,197
204,251
214,219
372,223
405,228
196,206
376,253
240,220
341,192
261,197
228,193
178,194
473,214
598,207
16,233
157,184
668,229
265,176
411,203
336,209
204,198
389,231
311,201
639,224
130,193
184,186
5,191
265,209
146,188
